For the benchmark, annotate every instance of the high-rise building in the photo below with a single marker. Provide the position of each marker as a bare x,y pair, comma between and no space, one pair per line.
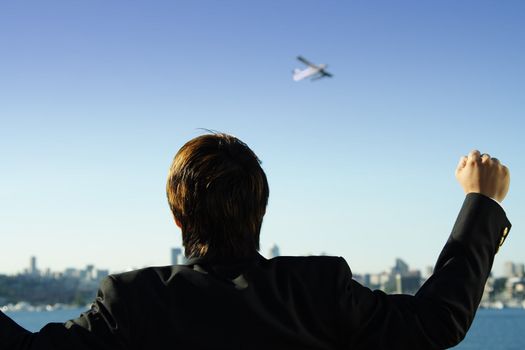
400,267
33,270
90,272
398,283
176,256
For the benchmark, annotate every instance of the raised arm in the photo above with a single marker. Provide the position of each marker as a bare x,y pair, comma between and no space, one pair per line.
441,312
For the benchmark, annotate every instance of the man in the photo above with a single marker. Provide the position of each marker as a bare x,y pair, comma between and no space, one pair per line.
227,296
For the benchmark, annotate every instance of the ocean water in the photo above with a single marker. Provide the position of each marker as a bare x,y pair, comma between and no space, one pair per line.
492,329
34,320
496,329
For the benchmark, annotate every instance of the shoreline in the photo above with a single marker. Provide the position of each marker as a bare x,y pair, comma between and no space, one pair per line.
23,306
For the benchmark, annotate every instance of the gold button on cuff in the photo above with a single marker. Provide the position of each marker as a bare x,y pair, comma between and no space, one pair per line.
504,235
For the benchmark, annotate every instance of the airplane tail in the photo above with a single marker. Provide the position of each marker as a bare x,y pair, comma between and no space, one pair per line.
297,74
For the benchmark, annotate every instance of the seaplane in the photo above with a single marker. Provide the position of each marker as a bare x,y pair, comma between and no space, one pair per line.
313,71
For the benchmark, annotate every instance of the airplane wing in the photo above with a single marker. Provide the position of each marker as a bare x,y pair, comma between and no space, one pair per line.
326,74
305,61
317,77
321,75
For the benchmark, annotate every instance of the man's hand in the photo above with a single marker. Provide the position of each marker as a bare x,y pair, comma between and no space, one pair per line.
479,173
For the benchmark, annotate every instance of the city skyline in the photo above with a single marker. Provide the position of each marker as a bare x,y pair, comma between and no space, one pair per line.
176,256
97,97
58,289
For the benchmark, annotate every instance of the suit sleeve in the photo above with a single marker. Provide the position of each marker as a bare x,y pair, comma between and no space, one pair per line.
102,327
439,315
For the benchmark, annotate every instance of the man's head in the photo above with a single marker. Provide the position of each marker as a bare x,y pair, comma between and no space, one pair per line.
218,192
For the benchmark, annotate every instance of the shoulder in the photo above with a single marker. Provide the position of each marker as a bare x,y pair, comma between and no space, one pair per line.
316,279
306,260
311,265
148,276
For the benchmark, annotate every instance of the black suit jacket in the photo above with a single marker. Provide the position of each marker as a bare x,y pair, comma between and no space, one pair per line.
283,303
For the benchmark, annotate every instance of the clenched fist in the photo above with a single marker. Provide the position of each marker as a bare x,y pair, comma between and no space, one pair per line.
479,173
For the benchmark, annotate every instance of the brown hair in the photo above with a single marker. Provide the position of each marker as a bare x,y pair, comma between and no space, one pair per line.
218,192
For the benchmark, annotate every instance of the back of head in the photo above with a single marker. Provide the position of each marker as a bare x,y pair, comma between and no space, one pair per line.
218,193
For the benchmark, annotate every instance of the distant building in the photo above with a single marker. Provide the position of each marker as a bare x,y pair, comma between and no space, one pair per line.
410,282
488,291
378,280
515,288
274,251
177,257
429,270
101,274
72,272
361,279
400,267
519,269
509,269
33,270
366,279
90,272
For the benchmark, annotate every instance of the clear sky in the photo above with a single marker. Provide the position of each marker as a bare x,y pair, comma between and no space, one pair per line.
97,96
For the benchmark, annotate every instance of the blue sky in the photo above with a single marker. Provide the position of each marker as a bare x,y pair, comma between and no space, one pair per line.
97,96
